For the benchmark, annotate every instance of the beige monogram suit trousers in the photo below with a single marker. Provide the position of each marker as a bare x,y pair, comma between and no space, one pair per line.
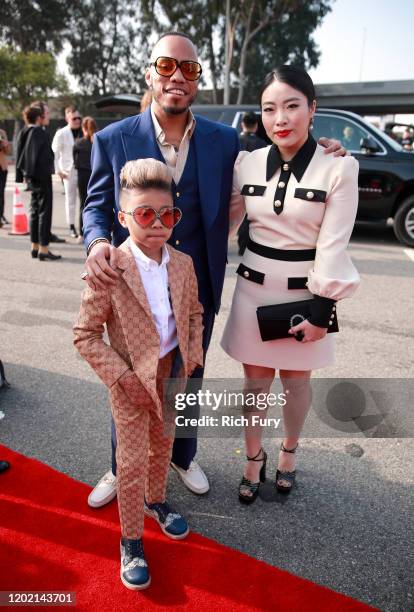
144,447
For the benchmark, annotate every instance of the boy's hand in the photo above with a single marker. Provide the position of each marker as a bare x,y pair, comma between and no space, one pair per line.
100,266
131,386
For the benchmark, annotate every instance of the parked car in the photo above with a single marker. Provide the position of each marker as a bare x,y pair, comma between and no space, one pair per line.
386,175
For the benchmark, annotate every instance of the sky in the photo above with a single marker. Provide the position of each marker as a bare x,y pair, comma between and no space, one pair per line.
388,52
386,26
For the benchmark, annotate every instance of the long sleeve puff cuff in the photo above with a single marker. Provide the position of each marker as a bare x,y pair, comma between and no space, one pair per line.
321,311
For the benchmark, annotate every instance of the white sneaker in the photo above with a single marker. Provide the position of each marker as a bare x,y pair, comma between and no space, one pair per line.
193,478
104,491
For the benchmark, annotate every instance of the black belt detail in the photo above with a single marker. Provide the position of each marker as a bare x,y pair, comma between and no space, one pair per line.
282,254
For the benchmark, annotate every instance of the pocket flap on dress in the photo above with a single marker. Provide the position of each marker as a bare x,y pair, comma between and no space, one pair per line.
297,282
312,195
253,190
251,275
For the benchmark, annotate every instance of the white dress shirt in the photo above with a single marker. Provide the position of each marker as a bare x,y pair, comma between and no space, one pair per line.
154,278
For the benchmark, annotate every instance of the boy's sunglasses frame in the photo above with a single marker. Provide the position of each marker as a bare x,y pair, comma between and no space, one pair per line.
157,215
177,64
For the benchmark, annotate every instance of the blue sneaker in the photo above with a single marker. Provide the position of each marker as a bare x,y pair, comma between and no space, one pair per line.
172,524
134,568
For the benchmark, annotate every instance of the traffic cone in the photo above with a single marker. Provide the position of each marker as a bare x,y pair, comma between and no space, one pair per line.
20,225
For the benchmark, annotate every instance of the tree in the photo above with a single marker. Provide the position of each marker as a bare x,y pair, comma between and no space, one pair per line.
30,25
268,39
107,47
25,77
261,34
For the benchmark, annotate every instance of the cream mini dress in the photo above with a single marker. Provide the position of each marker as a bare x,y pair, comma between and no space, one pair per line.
301,214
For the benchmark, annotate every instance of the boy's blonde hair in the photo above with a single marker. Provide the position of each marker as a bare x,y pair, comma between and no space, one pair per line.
142,174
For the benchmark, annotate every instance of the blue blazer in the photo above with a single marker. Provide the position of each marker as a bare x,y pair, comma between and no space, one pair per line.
216,147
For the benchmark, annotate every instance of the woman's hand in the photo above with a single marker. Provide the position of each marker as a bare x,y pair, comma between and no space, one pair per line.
100,265
310,332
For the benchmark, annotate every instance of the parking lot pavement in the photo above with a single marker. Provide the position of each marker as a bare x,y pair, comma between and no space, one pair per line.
348,524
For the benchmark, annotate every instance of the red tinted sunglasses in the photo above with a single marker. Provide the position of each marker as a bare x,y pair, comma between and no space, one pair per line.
146,216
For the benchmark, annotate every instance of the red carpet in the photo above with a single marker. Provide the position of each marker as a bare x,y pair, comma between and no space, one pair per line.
50,540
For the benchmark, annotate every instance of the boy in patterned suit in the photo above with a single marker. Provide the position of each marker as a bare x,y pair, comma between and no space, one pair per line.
154,323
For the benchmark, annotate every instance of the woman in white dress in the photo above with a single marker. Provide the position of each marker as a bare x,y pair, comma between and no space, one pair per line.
301,205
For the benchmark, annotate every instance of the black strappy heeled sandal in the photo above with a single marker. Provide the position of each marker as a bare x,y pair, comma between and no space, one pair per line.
284,475
247,484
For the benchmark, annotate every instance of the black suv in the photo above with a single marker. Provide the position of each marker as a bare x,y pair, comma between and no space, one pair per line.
386,170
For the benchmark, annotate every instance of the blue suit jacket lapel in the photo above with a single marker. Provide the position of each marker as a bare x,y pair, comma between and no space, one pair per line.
138,138
209,168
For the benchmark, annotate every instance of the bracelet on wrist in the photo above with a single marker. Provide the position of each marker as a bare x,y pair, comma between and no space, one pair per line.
97,241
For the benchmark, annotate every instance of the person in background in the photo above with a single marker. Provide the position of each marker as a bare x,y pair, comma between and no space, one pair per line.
35,165
62,146
82,162
5,149
146,100
407,140
249,140
4,465
350,139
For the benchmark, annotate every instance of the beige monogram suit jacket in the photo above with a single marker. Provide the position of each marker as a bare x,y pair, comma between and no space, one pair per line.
134,340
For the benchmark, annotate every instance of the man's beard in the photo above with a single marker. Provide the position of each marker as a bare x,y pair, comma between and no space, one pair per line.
174,110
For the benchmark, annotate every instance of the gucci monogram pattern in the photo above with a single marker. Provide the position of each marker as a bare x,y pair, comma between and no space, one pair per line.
143,453
131,368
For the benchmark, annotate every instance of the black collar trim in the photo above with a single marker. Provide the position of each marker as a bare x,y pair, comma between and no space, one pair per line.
298,164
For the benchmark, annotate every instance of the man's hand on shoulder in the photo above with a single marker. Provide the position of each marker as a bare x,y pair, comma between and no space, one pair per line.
332,146
101,265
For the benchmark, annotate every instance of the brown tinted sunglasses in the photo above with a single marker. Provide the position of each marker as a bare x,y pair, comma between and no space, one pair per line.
166,66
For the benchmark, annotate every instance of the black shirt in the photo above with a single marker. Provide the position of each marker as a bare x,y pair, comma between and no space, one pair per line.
82,154
77,133
250,142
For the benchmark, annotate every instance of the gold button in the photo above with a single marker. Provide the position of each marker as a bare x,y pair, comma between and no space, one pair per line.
246,274
330,322
332,316
251,189
285,166
278,203
281,184
177,242
178,194
310,195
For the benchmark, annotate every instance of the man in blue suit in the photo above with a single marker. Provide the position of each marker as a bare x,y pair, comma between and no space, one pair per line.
201,154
